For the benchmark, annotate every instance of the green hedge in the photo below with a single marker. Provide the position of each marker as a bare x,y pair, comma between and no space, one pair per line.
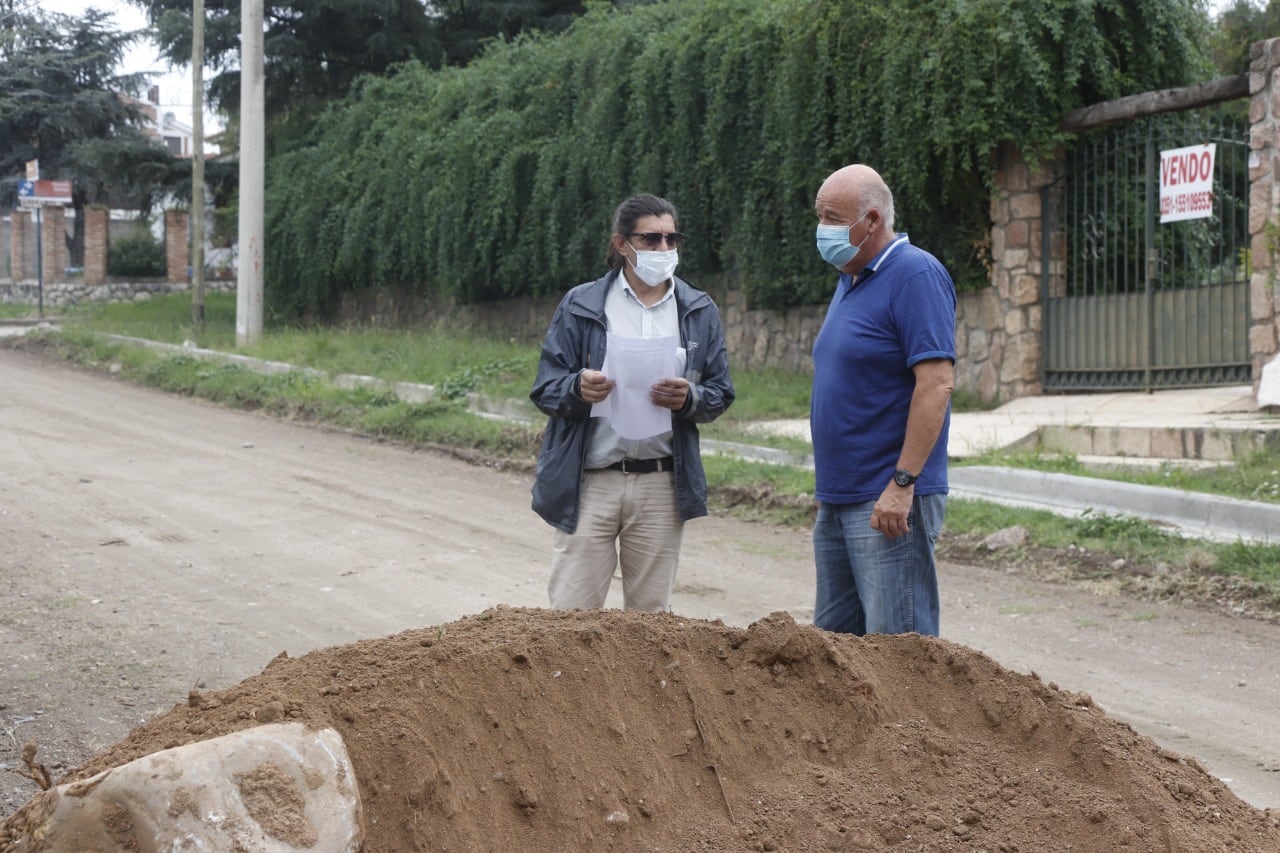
136,254
499,179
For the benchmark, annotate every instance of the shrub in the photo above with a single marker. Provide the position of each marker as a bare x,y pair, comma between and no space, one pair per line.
136,254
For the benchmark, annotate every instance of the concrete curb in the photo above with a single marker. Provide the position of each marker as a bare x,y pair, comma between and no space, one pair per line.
1194,514
30,321
771,455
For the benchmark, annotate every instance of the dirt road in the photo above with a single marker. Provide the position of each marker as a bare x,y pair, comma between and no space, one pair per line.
151,544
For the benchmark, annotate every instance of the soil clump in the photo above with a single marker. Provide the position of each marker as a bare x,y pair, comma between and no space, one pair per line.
528,729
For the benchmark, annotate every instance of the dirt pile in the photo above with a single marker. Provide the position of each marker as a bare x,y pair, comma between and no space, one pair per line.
537,730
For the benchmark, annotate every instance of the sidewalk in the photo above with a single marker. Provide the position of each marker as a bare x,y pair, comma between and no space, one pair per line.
20,326
1206,426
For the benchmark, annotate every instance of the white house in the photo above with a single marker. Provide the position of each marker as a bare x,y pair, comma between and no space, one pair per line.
165,128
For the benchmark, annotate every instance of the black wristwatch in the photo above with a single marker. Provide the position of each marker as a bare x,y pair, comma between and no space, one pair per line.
904,478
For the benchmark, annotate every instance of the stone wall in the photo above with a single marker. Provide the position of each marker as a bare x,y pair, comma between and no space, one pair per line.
66,294
998,329
758,337
755,338
1264,202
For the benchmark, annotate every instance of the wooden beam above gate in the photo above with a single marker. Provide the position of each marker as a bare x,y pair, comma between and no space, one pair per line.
1161,101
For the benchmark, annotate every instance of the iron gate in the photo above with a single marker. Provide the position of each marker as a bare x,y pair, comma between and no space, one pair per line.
1133,304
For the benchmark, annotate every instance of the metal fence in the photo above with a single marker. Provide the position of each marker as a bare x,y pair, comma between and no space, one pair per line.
1131,303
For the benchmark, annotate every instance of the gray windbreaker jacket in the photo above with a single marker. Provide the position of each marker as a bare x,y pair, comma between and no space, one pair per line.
577,330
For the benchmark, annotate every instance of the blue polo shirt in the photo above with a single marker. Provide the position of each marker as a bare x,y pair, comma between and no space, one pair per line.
901,310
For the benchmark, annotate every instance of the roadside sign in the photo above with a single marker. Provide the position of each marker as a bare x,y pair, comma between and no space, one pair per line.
1186,183
33,170
37,193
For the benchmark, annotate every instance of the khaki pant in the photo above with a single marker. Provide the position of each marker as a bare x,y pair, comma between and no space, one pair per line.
624,520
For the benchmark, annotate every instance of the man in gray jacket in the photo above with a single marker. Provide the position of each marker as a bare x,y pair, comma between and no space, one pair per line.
618,502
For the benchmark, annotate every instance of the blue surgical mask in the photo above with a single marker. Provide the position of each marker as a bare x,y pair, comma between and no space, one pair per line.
834,246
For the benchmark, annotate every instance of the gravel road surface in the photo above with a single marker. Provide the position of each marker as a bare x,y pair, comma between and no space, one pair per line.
151,544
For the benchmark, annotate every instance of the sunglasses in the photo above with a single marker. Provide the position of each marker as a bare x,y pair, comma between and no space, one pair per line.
653,239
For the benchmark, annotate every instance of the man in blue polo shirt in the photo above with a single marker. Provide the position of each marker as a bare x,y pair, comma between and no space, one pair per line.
883,371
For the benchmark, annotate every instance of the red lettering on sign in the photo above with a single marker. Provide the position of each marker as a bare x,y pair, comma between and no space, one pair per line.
1185,168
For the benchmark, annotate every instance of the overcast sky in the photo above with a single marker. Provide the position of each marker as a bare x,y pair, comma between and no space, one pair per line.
174,82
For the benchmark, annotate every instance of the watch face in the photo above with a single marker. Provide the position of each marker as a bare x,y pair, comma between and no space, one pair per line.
903,477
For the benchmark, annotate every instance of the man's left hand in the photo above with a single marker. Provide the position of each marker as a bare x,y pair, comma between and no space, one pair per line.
670,393
892,511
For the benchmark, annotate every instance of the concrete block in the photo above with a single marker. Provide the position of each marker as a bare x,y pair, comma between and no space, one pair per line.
1269,386
1067,439
1218,445
1167,443
1122,441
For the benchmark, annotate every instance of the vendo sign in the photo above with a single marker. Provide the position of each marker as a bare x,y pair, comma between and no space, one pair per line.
1186,183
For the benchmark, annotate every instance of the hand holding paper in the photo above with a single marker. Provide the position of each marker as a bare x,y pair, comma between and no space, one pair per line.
594,386
638,368
670,393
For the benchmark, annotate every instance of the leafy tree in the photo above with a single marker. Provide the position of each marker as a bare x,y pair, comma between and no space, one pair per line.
1238,26
314,50
465,25
498,179
62,103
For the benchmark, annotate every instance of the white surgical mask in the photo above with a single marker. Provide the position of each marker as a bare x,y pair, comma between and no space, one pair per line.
655,267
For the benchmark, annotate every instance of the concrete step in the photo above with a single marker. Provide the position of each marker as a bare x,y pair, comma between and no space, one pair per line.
1217,442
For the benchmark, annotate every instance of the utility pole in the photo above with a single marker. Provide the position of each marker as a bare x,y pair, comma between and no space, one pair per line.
197,169
249,280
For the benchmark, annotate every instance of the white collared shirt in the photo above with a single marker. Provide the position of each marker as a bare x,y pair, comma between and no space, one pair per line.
625,315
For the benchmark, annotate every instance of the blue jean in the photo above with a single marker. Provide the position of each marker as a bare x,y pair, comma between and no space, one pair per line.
871,584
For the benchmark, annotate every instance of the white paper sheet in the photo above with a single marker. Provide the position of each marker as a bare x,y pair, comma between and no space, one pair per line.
635,364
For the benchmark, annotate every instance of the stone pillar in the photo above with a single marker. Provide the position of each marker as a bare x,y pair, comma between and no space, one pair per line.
21,262
96,241
53,243
177,246
1264,205
998,331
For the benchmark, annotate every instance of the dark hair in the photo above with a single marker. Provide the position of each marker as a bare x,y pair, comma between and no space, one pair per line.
624,220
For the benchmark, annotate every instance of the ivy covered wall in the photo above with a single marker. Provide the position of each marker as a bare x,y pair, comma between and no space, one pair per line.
499,179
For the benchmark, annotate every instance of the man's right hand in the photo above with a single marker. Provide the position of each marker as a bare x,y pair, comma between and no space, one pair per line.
594,386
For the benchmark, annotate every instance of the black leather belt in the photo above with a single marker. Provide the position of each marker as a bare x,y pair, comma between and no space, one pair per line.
641,466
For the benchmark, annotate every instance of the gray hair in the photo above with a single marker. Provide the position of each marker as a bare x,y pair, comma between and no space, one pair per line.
874,192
